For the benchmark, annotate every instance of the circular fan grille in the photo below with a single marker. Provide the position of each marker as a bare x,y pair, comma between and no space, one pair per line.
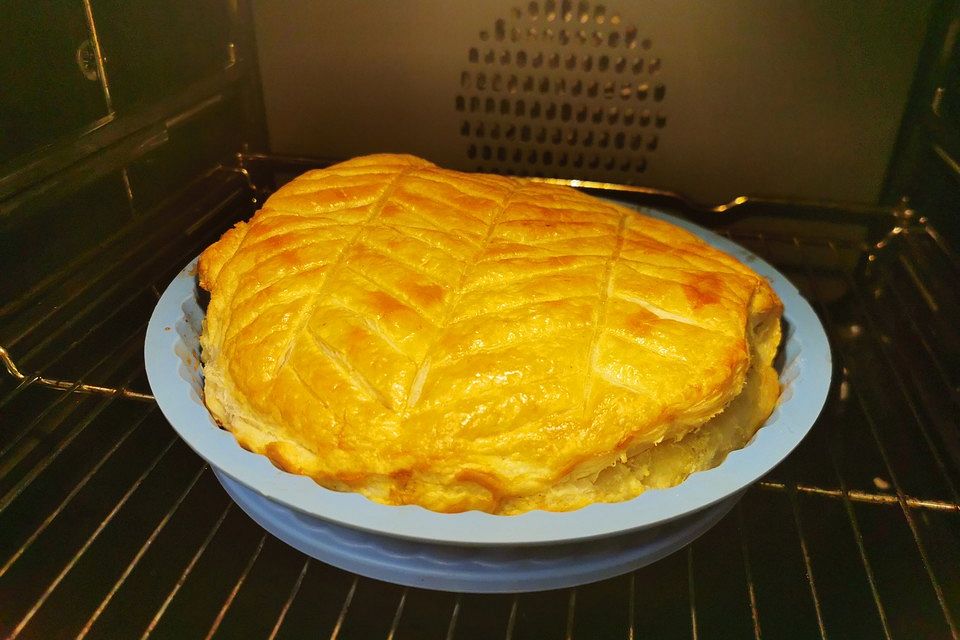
562,89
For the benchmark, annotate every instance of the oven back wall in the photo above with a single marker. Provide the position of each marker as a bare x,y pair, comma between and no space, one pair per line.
798,100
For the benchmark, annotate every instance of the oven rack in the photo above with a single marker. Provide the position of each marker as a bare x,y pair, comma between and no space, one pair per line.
111,527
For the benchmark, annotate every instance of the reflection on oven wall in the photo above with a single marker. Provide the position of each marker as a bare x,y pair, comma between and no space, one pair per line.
797,100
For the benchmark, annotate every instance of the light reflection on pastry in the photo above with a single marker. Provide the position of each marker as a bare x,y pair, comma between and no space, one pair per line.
463,341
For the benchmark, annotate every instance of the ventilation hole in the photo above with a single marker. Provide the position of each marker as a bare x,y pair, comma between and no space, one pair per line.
512,84
570,62
637,65
610,163
613,114
563,158
465,128
557,136
563,37
566,111
577,88
487,152
654,66
495,132
635,141
501,154
548,34
661,121
525,133
472,151
625,165
461,103
481,81
628,115
598,38
544,85
474,103
465,80
517,155
553,61
571,136
599,14
548,158
504,106
500,29
528,84
659,91
521,58
488,57
533,9
519,108
489,105
604,140
484,35
560,87
641,164
603,63
625,90
652,142
511,132
588,139
582,114
535,110
582,37
593,89
541,136
566,10
583,12
517,13
594,162
531,34
609,90
645,45
578,160
644,118
497,83
551,111
587,63
619,140
474,55
480,131
620,64
532,157
514,35
537,61
613,39
642,89
550,9
505,57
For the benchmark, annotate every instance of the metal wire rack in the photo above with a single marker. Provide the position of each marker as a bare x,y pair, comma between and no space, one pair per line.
111,527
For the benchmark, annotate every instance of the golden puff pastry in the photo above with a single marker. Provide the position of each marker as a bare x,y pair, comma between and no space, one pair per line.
463,341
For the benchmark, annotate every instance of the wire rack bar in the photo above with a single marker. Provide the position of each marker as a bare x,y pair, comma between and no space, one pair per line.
236,588
140,553
863,496
72,387
45,461
289,601
824,310
70,496
90,540
901,385
186,572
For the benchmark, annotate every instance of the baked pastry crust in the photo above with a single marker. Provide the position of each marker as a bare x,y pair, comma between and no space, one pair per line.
464,341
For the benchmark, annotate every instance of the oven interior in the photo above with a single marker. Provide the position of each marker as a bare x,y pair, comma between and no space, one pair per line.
823,138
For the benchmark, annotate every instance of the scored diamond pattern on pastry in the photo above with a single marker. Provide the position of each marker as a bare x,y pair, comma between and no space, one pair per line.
456,340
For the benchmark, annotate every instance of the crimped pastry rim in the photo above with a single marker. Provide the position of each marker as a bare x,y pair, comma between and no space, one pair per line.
805,344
